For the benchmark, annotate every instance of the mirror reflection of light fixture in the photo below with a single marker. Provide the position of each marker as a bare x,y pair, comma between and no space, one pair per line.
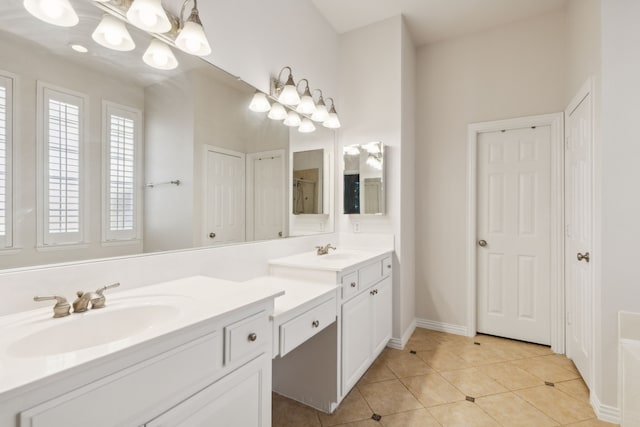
159,55
372,147
321,113
293,119
306,106
351,150
259,103
191,38
306,126
332,121
149,15
55,12
112,33
287,94
277,112
374,161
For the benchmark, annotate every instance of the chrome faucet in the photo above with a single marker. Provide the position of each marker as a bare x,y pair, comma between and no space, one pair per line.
323,250
97,299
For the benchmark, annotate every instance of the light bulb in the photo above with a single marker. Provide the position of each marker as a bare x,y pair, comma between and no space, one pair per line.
52,9
193,40
112,33
321,114
149,15
332,121
149,19
56,12
277,112
306,126
113,38
292,120
259,103
159,55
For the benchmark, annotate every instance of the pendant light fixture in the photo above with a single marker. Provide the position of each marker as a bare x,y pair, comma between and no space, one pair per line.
306,126
332,121
287,94
321,113
293,119
149,15
259,103
277,112
113,34
159,55
56,12
191,38
306,106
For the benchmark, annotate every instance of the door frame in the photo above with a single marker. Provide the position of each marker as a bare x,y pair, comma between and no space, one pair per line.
250,191
556,286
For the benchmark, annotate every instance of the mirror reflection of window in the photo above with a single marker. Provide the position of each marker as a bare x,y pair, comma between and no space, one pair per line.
364,179
307,182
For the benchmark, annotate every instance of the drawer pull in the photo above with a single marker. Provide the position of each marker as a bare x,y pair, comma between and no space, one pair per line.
252,336
315,323
388,265
353,284
372,293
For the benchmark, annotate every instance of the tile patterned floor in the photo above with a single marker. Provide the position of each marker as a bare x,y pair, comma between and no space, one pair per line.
509,383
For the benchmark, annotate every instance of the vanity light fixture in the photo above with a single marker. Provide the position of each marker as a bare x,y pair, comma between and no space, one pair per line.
56,12
374,161
321,113
352,150
306,126
332,121
372,147
149,15
159,55
259,103
293,119
112,33
306,106
287,94
191,38
277,112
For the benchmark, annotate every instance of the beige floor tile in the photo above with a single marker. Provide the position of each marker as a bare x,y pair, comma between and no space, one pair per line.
542,368
417,418
432,389
352,408
377,372
289,413
593,422
389,397
363,423
511,377
443,360
510,410
462,414
476,355
473,382
576,388
407,365
557,404
560,360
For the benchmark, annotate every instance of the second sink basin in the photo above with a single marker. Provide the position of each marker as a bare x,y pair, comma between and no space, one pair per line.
93,328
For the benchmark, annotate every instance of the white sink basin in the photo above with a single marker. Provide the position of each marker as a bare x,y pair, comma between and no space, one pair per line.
339,256
92,328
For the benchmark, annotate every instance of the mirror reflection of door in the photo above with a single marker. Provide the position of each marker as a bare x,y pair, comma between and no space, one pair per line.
372,195
307,182
268,188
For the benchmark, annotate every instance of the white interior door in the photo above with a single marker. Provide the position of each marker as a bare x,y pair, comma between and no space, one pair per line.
268,196
578,242
514,233
224,197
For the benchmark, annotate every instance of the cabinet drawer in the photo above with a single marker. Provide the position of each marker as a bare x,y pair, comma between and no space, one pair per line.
298,330
387,266
369,274
349,285
246,337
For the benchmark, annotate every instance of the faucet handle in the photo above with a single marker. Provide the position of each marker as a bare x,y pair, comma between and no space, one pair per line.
62,307
101,300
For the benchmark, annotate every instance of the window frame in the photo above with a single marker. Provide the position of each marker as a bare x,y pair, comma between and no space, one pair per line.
45,239
8,81
110,237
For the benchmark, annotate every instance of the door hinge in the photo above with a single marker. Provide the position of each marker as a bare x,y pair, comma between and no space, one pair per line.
567,230
568,319
566,142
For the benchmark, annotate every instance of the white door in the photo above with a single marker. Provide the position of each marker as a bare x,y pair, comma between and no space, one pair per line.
578,214
224,197
514,233
268,196
356,339
382,315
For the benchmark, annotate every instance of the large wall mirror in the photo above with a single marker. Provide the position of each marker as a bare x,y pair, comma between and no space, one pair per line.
107,156
364,180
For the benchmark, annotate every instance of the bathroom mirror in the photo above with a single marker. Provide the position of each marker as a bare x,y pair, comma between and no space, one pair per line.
308,177
192,124
364,179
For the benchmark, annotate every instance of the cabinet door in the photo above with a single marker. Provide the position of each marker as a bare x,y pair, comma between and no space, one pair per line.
356,339
382,312
242,398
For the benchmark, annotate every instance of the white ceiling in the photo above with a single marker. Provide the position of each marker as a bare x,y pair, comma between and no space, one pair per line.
432,20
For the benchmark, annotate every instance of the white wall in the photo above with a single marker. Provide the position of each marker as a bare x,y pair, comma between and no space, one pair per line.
510,71
620,176
40,64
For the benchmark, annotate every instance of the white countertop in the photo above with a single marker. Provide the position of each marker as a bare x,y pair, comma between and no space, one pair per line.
191,300
337,260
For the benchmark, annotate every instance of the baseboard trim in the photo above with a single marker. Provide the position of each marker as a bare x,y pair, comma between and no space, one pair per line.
604,412
399,343
442,327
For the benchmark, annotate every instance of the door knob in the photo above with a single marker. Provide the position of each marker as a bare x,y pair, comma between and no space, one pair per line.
212,235
482,243
584,256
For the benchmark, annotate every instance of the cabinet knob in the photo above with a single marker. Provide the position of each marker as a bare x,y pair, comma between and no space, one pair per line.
353,284
315,323
212,235
252,336
388,265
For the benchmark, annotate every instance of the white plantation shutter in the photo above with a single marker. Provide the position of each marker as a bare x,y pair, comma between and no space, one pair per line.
122,128
6,140
63,128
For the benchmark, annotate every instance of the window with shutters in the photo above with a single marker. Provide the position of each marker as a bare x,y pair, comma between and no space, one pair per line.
6,142
122,128
61,117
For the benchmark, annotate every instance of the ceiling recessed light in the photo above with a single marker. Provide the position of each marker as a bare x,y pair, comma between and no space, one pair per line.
79,48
